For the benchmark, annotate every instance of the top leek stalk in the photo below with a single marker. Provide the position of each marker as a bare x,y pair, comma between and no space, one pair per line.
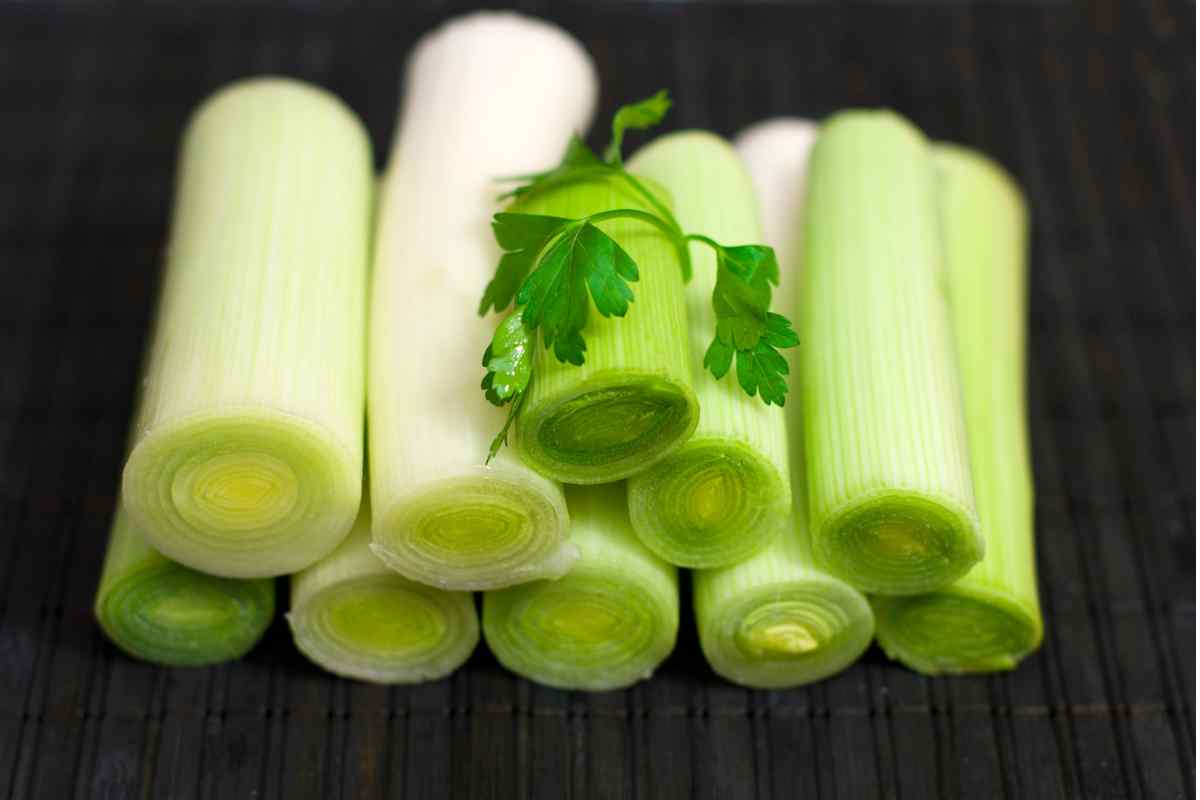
441,515
247,445
891,500
725,493
631,402
989,619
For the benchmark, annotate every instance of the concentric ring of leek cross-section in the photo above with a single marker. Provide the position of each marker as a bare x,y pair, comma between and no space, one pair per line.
493,527
776,635
898,542
594,629
248,493
708,504
385,628
168,614
957,630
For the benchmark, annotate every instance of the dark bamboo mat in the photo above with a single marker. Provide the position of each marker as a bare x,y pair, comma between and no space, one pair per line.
1091,105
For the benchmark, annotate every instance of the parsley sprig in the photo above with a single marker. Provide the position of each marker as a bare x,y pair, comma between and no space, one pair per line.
554,269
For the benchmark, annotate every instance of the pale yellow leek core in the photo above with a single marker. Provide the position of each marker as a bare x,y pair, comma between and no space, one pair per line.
246,454
354,617
725,493
889,483
608,623
989,619
487,95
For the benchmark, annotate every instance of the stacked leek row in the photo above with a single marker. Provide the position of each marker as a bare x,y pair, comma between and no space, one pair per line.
899,469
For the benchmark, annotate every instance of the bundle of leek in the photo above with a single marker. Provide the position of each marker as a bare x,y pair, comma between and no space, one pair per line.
605,625
990,618
441,516
724,494
356,618
246,456
164,612
891,502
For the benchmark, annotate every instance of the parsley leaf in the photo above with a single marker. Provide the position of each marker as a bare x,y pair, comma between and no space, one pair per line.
508,360
635,116
522,237
745,328
555,295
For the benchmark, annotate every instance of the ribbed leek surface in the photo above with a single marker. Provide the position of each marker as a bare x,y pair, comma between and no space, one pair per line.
891,501
161,611
488,95
605,625
355,617
246,455
991,618
726,493
632,401
776,620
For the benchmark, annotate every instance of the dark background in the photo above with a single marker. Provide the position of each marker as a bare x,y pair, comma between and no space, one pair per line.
1091,105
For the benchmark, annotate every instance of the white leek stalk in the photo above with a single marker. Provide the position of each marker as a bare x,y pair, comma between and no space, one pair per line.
890,495
609,623
355,617
777,620
165,613
726,492
989,619
246,455
488,95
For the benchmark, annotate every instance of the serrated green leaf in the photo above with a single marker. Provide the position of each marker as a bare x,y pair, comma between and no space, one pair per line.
763,370
718,357
635,116
581,260
779,331
523,236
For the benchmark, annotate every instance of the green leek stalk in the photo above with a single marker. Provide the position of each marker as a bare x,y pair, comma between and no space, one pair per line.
163,612
726,493
246,456
441,516
632,401
889,483
355,617
990,619
776,620
609,623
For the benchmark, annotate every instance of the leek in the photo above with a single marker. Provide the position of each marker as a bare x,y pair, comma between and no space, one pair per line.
607,624
776,620
246,455
632,401
890,495
441,516
989,619
160,611
724,494
355,617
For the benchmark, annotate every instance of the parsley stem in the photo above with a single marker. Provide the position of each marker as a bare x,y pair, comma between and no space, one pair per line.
643,216
699,237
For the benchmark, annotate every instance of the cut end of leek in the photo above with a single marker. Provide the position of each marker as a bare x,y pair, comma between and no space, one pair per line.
168,614
899,543
593,631
251,493
490,529
773,634
956,631
608,428
385,629
708,504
